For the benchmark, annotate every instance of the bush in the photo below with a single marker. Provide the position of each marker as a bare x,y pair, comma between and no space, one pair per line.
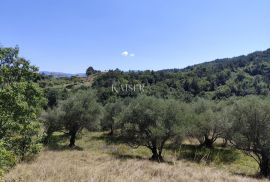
7,159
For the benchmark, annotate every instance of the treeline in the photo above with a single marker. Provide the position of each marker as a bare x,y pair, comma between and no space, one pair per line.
220,79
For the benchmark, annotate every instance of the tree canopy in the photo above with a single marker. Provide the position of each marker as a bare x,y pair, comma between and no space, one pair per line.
80,111
21,101
250,130
151,122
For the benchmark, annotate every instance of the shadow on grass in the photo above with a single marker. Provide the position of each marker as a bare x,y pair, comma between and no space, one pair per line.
56,143
218,155
137,157
126,156
195,153
110,139
254,176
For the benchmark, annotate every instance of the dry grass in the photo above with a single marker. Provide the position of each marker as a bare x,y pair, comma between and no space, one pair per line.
86,166
100,161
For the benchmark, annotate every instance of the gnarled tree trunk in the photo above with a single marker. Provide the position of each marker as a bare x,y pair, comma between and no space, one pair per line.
208,143
157,151
264,166
72,138
156,156
111,131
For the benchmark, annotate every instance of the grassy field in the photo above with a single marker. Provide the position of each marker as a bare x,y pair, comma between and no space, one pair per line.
99,159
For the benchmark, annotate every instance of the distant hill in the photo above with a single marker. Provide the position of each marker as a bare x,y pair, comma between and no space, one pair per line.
60,74
218,79
242,60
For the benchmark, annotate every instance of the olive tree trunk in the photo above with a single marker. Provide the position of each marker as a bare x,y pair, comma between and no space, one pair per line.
208,142
72,138
264,166
157,151
156,156
111,130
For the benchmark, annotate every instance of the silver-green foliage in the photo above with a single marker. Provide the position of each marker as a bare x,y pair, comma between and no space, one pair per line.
151,122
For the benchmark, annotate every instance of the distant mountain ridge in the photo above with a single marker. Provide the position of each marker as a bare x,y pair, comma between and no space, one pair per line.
61,74
257,56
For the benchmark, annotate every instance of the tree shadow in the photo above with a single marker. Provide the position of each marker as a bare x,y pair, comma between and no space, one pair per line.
137,157
127,156
56,143
254,176
201,154
110,139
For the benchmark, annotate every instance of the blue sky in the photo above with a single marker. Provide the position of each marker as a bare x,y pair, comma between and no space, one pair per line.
70,35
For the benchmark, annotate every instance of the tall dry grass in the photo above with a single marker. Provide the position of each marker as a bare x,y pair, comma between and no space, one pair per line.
87,166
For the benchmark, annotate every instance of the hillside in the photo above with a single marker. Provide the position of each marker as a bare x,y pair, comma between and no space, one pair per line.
222,78
218,79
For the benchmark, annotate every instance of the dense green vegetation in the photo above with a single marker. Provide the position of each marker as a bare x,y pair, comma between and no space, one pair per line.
223,100
21,101
239,76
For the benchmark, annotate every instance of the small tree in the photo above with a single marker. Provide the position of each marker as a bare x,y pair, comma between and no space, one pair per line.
151,122
51,120
54,95
207,122
112,111
90,71
250,130
80,111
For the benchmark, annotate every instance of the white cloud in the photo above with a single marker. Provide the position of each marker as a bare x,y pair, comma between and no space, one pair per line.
125,53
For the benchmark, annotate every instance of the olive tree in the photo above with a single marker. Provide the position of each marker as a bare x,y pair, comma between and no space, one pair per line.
51,120
151,122
250,130
207,122
112,111
80,111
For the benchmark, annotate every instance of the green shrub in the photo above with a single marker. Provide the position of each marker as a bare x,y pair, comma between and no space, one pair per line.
7,159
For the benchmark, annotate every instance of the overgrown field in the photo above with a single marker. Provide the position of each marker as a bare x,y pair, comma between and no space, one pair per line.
99,159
